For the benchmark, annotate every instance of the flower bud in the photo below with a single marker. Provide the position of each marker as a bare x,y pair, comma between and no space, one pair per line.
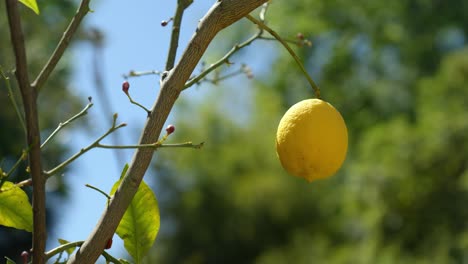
125,87
25,257
108,244
170,129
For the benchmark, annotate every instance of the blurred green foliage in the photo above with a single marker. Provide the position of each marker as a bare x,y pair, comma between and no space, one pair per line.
398,72
56,103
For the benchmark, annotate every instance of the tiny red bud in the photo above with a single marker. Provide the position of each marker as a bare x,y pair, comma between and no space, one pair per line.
300,36
108,244
165,22
25,256
125,86
170,129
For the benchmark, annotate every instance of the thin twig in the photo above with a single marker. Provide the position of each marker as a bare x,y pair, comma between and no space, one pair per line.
13,101
83,9
293,54
98,190
218,79
62,248
138,104
33,136
183,145
49,254
5,177
141,73
181,6
221,61
154,146
64,124
84,150
298,43
109,258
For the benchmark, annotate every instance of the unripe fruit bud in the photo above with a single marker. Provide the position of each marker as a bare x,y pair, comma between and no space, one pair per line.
108,244
300,36
125,86
170,129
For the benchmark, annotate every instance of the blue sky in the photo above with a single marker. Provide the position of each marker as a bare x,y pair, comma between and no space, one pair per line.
134,40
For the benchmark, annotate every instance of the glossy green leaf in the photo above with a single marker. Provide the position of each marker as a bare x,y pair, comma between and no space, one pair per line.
140,223
31,4
15,207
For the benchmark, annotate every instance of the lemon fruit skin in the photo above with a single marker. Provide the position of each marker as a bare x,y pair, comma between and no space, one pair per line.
312,140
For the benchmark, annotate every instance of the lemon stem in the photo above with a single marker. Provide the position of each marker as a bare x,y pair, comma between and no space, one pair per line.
293,54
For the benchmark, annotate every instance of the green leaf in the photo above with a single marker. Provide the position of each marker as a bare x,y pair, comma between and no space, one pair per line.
31,4
140,223
124,171
63,242
9,261
15,207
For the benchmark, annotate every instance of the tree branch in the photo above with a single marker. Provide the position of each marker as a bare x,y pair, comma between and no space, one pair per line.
61,46
66,123
222,14
293,54
181,6
221,61
29,97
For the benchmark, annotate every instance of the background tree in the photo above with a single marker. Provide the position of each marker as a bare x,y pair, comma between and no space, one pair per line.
55,16
397,72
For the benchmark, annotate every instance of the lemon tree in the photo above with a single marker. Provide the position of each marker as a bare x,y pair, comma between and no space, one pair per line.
312,140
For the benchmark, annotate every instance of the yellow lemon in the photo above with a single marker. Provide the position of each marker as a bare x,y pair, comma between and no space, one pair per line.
312,140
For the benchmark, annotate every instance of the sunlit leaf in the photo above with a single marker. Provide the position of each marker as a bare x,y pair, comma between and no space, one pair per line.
15,207
31,4
124,171
140,223
63,242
